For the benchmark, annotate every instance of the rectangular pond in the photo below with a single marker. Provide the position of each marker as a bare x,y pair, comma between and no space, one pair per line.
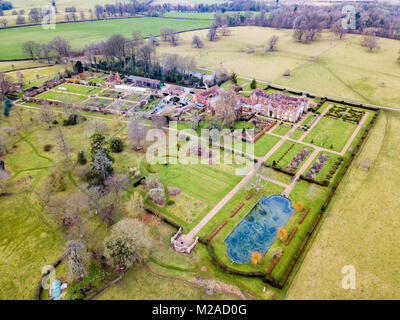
259,228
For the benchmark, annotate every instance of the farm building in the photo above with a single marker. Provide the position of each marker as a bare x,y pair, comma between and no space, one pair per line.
144,82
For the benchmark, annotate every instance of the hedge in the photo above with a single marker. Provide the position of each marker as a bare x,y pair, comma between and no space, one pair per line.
265,277
290,173
301,250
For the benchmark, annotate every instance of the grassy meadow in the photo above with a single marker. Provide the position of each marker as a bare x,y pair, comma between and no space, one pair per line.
359,230
333,67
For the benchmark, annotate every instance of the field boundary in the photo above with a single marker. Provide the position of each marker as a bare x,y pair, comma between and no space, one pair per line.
111,18
307,241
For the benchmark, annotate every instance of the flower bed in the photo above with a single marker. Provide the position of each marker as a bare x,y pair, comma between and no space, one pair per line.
217,230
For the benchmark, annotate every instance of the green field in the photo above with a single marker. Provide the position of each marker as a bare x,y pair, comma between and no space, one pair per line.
63,97
80,89
82,33
202,185
282,130
261,147
329,133
191,15
297,134
359,227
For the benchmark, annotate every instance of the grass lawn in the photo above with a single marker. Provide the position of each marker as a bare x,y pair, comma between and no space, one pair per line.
276,175
261,147
202,185
308,120
293,147
173,271
38,74
77,88
207,72
233,203
12,65
81,33
330,132
244,125
240,82
30,237
63,97
297,134
374,214
260,85
311,195
282,130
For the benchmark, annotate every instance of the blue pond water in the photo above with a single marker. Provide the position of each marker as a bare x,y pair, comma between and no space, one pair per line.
259,228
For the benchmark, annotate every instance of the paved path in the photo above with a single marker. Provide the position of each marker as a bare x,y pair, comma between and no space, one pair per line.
273,181
243,182
355,133
303,168
315,123
220,205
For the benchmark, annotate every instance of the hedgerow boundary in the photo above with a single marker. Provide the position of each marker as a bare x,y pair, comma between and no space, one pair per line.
315,227
307,241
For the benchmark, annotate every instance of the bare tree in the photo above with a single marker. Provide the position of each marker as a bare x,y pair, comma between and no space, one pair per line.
174,38
29,49
227,106
63,146
46,114
273,43
165,33
116,183
3,181
338,30
129,244
19,113
212,33
78,259
196,42
3,144
3,22
115,46
136,130
61,46
371,42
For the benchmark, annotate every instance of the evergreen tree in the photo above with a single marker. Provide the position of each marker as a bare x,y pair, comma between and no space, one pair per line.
81,158
234,78
7,106
253,84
